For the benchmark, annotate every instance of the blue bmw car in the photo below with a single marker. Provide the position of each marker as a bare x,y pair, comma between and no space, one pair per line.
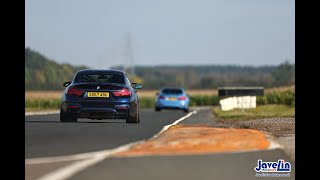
100,94
172,98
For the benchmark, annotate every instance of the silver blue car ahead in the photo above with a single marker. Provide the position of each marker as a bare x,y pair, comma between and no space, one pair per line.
172,98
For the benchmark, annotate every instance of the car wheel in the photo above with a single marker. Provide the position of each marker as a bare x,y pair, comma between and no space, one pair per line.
67,118
134,119
186,110
157,109
139,116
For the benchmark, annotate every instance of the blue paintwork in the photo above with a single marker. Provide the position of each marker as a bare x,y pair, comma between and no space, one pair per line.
168,103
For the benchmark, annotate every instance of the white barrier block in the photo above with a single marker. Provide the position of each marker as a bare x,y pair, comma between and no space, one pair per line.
253,102
228,103
242,102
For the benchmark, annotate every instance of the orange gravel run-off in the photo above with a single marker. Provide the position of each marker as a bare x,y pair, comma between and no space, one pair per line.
198,139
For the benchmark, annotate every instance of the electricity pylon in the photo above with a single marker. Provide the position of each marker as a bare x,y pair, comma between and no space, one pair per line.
129,63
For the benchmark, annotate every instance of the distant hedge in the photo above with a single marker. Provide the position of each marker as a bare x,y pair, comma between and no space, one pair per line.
42,104
286,97
204,100
147,102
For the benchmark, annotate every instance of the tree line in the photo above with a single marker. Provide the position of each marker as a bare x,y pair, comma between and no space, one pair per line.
214,76
42,73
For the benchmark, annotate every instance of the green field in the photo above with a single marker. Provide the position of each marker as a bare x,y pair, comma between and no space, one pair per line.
44,100
42,104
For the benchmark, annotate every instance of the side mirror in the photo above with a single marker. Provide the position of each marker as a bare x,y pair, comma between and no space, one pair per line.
136,85
66,84
157,94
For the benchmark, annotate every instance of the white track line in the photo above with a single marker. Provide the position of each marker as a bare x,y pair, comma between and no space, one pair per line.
174,123
74,157
70,170
41,113
81,156
88,159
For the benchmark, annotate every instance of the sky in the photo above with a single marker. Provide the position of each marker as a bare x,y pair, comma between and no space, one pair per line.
105,33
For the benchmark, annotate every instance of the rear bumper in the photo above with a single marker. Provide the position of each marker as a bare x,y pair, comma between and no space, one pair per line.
119,111
102,113
172,104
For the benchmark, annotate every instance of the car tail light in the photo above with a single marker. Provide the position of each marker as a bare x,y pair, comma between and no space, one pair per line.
182,98
161,97
122,93
74,91
73,107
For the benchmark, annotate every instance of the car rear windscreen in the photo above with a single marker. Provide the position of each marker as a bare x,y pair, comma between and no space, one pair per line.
101,78
172,91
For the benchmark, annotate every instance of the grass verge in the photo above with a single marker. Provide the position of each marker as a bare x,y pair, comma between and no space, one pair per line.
42,104
261,111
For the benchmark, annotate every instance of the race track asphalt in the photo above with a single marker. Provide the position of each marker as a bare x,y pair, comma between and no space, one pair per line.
45,136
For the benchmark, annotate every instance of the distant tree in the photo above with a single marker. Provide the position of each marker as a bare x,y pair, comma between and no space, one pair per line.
284,74
42,73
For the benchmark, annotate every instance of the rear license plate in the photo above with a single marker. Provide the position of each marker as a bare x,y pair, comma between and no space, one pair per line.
172,99
98,94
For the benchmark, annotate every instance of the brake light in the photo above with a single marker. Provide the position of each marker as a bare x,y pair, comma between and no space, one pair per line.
74,91
161,97
73,107
123,92
182,98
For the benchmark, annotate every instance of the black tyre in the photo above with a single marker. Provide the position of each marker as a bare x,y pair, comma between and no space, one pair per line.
67,118
186,110
134,119
157,109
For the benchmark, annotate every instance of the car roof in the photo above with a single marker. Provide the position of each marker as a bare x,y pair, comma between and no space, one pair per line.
101,70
